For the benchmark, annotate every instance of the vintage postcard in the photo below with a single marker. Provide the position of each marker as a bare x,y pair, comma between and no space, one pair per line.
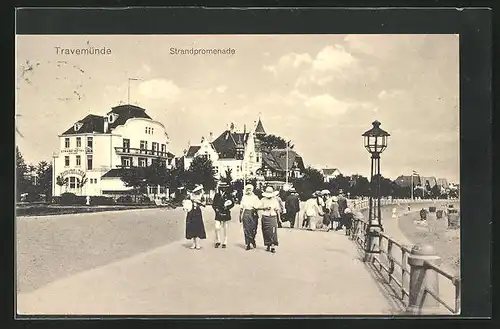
238,174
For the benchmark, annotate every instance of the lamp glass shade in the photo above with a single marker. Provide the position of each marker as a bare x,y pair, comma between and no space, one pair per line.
375,139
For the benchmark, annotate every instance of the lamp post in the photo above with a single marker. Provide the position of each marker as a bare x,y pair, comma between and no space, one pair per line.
375,142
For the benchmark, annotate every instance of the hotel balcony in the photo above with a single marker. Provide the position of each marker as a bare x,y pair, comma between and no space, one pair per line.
143,152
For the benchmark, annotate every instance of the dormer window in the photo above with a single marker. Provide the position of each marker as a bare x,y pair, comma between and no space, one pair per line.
78,125
112,117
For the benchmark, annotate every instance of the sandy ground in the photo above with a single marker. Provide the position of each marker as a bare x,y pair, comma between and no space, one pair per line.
445,241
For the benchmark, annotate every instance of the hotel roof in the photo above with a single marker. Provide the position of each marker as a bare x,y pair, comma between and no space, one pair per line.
95,123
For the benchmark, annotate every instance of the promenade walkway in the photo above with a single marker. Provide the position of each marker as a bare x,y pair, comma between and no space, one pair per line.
312,273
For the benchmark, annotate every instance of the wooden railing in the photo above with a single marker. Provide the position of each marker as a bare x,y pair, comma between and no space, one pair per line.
392,257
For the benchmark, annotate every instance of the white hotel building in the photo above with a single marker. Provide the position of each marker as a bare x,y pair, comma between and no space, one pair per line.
102,148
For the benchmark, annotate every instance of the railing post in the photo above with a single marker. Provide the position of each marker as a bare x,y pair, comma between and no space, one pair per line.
372,243
421,279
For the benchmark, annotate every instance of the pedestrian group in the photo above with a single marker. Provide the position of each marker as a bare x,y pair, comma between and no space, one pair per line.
321,211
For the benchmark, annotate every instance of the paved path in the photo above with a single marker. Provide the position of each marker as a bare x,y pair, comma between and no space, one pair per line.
311,273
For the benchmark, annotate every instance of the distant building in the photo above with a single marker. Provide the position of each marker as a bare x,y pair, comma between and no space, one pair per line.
442,182
429,181
242,153
101,149
275,165
232,150
405,181
330,173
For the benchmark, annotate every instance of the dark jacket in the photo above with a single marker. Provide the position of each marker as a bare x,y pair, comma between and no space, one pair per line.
222,213
342,204
292,204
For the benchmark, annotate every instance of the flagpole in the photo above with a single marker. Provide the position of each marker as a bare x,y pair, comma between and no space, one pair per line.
286,173
128,89
411,187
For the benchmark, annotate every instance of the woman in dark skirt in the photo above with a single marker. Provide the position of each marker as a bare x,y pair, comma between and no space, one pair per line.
195,229
270,218
250,203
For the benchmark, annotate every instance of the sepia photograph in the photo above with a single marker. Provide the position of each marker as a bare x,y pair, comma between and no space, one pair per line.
237,175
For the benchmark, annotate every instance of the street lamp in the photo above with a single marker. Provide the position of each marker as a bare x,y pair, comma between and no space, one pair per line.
375,142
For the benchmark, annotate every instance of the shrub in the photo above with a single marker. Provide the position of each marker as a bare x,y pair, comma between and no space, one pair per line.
101,200
68,199
124,199
33,197
144,199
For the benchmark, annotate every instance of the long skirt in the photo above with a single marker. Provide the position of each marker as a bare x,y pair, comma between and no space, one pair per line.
249,226
270,230
315,222
194,225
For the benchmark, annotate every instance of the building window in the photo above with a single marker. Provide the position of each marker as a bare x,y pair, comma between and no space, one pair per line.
258,157
147,130
126,162
152,131
126,144
66,161
90,142
66,142
162,190
78,160
73,182
89,162
154,147
143,146
163,148
78,142
142,162
238,168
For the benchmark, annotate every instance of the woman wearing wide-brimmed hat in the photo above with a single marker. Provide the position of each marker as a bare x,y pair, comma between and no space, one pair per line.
270,218
312,211
195,229
249,216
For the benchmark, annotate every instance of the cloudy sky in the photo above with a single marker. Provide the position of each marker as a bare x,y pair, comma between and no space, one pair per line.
320,91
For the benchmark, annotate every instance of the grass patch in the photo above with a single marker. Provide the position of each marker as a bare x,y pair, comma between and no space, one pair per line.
445,241
47,210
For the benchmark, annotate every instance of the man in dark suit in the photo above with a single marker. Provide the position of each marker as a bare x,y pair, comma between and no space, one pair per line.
222,204
292,206
342,201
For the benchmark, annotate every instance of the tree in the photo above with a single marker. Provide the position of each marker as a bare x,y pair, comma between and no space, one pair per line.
201,172
359,186
60,181
340,182
312,180
156,174
21,170
271,142
44,174
136,179
228,176
82,182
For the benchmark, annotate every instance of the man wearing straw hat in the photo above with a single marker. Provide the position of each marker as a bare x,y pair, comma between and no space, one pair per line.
222,205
